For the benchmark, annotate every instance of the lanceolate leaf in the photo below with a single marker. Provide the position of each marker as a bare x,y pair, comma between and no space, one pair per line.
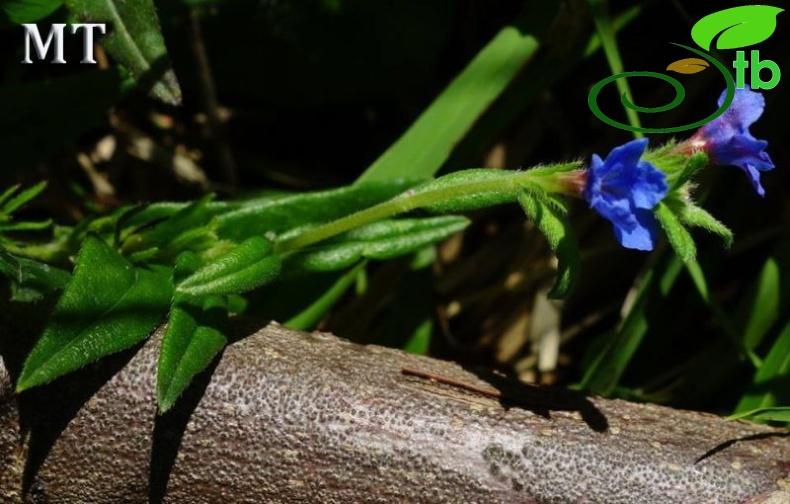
107,307
688,65
134,40
249,265
193,338
279,214
739,27
550,215
379,241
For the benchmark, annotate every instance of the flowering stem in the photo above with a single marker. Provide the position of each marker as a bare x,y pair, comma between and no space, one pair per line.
549,179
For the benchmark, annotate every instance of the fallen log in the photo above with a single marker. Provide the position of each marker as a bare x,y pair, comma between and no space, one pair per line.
288,417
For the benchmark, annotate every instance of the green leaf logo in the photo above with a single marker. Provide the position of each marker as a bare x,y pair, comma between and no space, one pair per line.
739,27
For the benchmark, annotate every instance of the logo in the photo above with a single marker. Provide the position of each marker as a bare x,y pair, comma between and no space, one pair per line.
55,39
734,28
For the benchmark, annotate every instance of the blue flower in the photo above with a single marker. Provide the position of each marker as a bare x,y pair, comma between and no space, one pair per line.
625,190
727,139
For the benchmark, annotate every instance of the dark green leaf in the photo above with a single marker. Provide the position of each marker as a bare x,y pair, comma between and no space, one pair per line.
770,383
134,40
739,27
31,280
380,241
678,236
28,11
107,307
550,215
249,265
194,336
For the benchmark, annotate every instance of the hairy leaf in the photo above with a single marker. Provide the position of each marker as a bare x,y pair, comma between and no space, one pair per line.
194,336
550,215
249,265
379,241
282,213
134,40
692,215
31,280
107,307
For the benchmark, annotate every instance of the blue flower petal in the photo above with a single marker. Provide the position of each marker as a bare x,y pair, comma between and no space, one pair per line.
625,190
728,141
641,237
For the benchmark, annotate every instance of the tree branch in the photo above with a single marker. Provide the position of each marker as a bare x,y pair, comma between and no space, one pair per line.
298,418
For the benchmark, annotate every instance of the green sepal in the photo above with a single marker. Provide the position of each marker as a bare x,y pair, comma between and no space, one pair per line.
679,237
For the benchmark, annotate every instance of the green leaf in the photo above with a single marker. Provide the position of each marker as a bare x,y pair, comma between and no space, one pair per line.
249,265
41,117
31,280
770,383
678,236
134,40
107,307
194,336
739,27
692,215
611,360
28,11
25,196
427,144
379,241
777,414
550,215
282,213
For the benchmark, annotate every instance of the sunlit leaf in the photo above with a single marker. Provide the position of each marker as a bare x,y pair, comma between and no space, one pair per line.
107,307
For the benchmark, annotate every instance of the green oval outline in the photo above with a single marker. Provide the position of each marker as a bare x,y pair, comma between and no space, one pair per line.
680,94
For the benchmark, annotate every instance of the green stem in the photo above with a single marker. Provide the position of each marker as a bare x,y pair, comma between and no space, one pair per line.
548,179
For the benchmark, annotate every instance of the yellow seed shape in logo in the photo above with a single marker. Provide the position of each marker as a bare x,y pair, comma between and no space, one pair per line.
688,65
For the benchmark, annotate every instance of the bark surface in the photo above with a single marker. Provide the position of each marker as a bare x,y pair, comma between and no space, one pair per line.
288,417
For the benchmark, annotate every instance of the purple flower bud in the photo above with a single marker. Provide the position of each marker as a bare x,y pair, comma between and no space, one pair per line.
728,141
625,190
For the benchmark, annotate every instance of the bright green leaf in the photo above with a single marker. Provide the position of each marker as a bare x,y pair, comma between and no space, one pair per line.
739,27
134,40
107,307
550,215
249,265
194,336
777,414
427,144
25,196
